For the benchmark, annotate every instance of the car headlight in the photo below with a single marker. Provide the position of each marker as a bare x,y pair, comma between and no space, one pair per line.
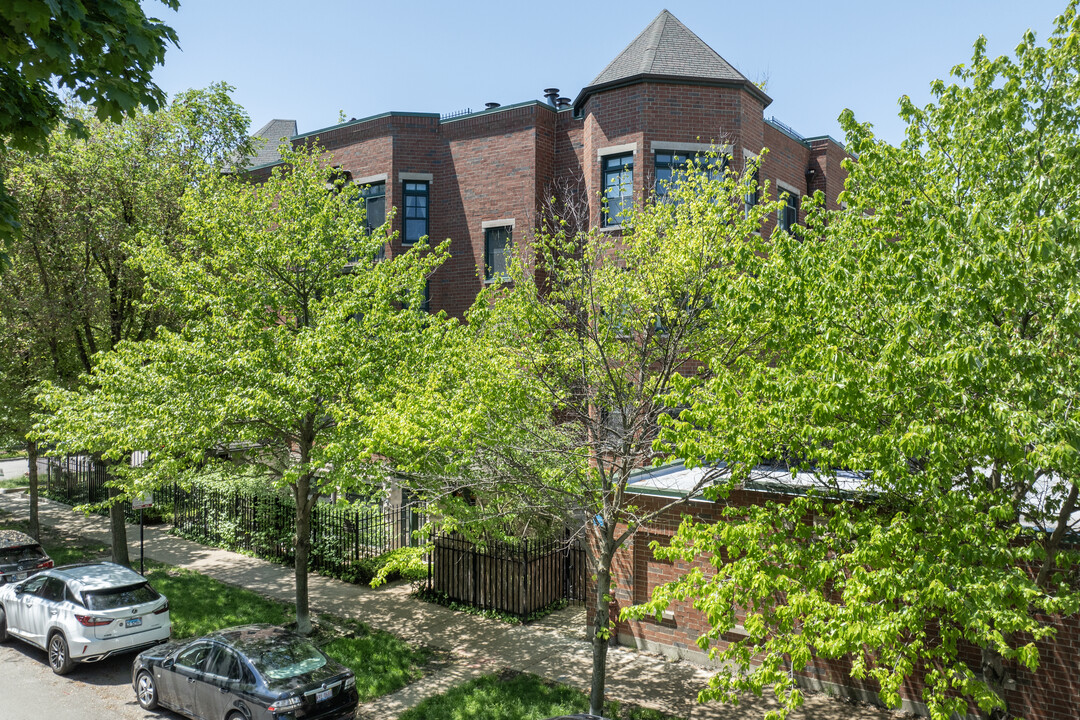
286,704
350,682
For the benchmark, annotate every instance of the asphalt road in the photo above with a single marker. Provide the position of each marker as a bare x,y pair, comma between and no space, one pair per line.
30,691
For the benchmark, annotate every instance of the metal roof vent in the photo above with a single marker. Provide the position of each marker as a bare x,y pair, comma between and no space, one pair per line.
491,105
563,102
551,94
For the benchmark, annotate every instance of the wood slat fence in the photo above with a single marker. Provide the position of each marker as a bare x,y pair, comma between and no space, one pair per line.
518,578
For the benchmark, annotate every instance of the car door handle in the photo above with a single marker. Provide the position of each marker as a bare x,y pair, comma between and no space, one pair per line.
191,681
223,690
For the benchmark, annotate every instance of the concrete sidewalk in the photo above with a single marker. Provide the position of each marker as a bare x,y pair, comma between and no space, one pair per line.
554,648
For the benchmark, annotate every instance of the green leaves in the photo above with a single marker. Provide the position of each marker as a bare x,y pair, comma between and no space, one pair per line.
929,343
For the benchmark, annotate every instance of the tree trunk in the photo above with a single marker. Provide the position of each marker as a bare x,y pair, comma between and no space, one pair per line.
601,632
303,547
118,526
32,457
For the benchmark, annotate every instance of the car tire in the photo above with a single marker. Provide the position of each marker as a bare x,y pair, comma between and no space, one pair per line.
146,690
59,658
3,626
236,716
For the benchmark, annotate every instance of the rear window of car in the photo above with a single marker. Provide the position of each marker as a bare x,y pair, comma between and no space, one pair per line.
20,554
120,597
285,657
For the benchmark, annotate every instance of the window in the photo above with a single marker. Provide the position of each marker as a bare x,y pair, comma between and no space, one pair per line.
789,214
751,197
34,584
52,590
224,664
618,173
416,211
194,657
670,167
496,252
374,199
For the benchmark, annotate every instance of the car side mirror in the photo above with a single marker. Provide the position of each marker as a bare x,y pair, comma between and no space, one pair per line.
19,590
168,663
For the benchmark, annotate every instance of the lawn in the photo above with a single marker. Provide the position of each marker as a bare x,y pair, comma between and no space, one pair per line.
517,696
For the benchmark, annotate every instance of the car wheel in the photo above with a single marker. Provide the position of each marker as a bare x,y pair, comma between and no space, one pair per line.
59,659
146,691
236,716
3,626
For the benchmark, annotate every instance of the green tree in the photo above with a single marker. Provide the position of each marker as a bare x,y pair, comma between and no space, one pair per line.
69,290
287,348
552,399
101,51
929,344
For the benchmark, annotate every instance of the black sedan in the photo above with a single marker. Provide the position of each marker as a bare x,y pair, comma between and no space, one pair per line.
254,672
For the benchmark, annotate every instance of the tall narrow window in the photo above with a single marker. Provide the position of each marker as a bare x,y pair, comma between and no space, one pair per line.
374,197
618,187
416,211
670,168
751,198
496,252
789,214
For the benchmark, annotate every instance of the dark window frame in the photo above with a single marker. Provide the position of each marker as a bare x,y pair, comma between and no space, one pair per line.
490,233
675,165
415,189
788,215
369,192
626,199
752,198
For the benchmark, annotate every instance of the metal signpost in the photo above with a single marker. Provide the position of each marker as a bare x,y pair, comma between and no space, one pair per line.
143,501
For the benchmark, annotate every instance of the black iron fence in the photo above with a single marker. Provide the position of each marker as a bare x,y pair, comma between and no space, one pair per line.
263,523
517,578
73,479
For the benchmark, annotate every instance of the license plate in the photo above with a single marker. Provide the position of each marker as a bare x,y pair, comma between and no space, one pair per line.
133,622
323,695
20,576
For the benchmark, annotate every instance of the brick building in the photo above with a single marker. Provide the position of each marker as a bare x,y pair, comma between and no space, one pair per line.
1052,692
480,178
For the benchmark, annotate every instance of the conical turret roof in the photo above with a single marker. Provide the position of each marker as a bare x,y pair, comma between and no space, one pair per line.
668,51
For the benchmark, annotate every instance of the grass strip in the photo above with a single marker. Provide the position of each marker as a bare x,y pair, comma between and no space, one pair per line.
517,696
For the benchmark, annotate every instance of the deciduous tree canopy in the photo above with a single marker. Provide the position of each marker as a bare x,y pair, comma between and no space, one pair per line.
929,343
101,51
294,332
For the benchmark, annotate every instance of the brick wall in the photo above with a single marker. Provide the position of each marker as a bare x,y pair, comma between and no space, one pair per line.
504,163
1050,693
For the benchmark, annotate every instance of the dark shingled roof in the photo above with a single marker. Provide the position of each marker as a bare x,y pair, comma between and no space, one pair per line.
267,140
668,50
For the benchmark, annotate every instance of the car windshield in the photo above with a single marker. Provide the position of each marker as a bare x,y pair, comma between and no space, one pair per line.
284,657
20,554
120,597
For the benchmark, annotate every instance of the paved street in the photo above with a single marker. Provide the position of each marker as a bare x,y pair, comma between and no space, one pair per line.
30,691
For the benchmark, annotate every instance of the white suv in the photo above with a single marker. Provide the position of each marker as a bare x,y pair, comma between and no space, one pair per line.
84,613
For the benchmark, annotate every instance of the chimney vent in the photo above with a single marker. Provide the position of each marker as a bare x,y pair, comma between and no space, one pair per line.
551,94
563,102
491,105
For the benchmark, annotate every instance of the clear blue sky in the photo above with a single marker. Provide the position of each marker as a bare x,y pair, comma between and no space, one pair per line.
307,61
